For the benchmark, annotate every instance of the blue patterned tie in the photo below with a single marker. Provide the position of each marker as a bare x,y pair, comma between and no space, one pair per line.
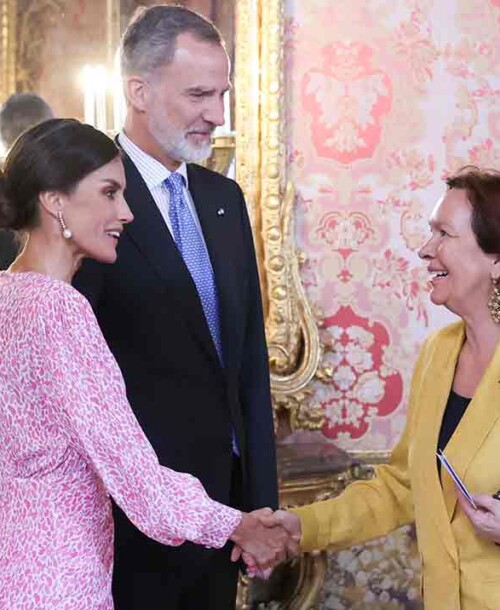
191,245
193,250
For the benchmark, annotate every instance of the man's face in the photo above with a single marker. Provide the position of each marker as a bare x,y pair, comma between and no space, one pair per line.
184,100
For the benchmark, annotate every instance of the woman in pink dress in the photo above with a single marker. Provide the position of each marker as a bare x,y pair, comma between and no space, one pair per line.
68,438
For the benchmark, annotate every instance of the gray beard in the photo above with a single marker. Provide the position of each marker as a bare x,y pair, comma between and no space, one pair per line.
181,150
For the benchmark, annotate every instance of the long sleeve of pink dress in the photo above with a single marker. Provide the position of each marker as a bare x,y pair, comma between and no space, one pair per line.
68,439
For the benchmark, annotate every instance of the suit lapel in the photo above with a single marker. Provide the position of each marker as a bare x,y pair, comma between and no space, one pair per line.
151,235
216,216
480,416
432,403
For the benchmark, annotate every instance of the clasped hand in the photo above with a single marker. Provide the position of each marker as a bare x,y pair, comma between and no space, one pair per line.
264,539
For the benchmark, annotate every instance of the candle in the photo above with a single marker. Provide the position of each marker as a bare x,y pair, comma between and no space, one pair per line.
94,96
88,96
100,97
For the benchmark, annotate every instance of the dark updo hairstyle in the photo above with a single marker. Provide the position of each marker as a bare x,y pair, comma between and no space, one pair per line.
52,156
482,187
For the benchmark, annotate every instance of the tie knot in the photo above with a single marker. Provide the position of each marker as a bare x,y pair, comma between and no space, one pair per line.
174,182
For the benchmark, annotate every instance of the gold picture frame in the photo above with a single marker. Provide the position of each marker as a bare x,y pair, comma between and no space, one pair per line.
292,332
8,14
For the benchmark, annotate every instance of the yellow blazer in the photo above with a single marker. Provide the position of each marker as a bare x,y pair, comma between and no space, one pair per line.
460,571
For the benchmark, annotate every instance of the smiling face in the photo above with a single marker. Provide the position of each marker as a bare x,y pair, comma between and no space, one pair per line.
460,271
178,106
96,212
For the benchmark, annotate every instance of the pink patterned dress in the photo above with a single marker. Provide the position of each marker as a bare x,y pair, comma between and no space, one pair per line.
69,440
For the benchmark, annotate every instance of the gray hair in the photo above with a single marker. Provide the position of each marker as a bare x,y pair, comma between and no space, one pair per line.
20,112
149,41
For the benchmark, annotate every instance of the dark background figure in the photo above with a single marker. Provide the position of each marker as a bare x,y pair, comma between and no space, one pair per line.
20,112
200,391
9,248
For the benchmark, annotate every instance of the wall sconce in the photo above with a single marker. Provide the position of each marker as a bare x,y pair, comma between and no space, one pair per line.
103,99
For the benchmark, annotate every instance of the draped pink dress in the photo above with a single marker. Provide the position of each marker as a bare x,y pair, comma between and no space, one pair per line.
69,440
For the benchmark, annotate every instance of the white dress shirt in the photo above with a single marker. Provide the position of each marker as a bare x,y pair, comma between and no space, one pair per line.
154,174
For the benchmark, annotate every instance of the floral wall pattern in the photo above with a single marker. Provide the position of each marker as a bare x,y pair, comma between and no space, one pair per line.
384,98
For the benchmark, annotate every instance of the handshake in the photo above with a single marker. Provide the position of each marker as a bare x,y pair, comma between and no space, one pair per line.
264,538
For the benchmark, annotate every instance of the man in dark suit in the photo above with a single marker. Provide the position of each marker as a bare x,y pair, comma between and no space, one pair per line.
181,308
19,112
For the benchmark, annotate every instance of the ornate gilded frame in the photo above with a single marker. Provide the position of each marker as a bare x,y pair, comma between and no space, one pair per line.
293,339
8,14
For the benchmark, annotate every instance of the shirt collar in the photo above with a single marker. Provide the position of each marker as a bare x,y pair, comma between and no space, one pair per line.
152,171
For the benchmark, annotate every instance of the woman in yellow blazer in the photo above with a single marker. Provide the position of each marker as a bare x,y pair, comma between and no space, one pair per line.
454,405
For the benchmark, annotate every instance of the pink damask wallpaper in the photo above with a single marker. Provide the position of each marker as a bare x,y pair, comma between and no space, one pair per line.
384,98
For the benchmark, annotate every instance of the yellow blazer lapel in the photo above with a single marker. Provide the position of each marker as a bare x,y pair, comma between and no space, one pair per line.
481,415
438,380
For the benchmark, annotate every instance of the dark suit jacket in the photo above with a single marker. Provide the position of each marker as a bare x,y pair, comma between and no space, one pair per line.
151,316
8,248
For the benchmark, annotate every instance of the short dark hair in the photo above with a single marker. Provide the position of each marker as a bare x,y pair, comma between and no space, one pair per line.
52,156
482,187
20,112
149,40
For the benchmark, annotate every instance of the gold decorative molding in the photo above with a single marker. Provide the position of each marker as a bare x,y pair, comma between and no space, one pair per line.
293,340
247,115
221,158
312,573
292,333
8,14
113,30
372,458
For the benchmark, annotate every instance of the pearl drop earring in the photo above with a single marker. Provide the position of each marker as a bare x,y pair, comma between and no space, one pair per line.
66,233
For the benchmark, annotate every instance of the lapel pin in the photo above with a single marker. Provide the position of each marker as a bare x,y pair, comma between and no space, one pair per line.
220,212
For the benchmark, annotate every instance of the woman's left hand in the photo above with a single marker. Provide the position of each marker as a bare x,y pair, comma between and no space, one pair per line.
486,518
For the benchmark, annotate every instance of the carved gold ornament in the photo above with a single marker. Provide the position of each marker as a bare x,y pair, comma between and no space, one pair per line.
8,10
292,333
